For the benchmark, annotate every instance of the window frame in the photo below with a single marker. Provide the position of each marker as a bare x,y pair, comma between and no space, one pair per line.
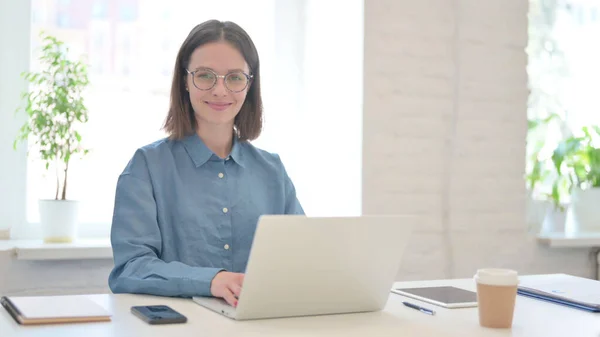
13,173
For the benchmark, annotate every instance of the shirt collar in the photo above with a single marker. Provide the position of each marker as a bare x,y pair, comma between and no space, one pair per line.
200,153
236,152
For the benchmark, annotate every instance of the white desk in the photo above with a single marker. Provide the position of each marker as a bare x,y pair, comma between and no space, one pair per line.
532,318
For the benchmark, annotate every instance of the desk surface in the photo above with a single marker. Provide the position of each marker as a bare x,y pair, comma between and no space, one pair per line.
532,318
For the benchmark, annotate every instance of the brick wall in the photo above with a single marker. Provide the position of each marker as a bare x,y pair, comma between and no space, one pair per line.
444,135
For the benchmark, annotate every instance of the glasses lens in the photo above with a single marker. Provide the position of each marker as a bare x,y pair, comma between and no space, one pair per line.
204,80
236,81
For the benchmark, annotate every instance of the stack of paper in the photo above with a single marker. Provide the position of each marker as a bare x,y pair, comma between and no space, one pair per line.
53,309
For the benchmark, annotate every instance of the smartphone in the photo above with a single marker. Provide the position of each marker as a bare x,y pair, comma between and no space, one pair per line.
158,314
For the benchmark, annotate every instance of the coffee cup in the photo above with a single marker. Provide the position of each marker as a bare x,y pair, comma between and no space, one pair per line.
496,295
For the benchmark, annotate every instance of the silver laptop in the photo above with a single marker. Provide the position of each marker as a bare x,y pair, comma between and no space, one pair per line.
301,266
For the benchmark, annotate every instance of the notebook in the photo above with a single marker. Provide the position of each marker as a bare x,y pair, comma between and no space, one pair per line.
29,310
573,291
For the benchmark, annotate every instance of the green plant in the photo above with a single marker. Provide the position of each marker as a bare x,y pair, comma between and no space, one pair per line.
580,157
55,109
547,69
537,169
576,159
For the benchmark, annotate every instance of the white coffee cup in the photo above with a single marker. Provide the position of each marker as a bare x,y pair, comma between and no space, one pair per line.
496,296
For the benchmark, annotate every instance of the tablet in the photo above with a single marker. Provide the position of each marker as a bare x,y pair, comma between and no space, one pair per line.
443,296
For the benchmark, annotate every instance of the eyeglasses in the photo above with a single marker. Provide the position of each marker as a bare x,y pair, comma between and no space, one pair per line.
206,79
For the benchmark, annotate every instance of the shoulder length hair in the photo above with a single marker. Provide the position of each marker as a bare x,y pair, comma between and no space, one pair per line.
181,120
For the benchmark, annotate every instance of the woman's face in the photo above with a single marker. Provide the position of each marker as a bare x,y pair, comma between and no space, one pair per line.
216,105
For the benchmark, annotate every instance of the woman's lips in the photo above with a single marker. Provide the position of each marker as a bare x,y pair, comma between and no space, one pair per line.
219,106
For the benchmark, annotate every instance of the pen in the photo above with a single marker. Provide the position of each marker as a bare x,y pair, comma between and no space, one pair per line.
421,309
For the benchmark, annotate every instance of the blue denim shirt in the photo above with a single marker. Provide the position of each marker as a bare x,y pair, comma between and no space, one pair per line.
182,214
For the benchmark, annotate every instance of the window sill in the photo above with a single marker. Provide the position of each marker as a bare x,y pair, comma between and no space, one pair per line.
37,250
570,240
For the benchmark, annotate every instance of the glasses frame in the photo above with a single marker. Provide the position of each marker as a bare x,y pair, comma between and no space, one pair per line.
249,78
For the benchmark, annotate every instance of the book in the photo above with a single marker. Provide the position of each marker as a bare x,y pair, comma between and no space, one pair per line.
564,289
29,310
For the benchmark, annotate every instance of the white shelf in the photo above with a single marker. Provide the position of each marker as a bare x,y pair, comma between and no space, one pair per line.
78,250
570,240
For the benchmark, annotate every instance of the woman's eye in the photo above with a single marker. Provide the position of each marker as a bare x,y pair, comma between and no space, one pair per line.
235,77
205,76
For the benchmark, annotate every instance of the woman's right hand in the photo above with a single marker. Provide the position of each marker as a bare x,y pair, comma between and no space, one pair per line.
228,286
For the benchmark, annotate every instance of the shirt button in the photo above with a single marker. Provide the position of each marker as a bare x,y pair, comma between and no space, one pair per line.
226,247
227,158
221,175
225,210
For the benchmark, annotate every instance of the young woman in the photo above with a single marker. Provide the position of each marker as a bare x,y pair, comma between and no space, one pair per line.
186,207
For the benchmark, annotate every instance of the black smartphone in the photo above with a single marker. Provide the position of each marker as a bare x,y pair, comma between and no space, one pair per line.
158,314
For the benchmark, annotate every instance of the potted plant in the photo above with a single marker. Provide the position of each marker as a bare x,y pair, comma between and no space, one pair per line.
539,174
535,176
577,159
537,170
55,110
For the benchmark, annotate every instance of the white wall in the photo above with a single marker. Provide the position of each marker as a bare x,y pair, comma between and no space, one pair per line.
14,52
444,134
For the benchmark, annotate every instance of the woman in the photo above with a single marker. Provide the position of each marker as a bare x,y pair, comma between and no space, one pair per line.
186,207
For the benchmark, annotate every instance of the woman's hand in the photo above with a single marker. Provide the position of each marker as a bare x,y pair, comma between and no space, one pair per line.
228,286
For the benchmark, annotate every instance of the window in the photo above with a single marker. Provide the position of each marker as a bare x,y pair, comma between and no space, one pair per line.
38,12
563,71
63,20
99,9
314,124
128,11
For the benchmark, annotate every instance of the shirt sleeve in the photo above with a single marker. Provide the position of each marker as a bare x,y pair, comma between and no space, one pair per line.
136,243
292,204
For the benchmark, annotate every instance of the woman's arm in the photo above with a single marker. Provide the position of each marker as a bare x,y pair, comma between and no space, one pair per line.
292,204
136,243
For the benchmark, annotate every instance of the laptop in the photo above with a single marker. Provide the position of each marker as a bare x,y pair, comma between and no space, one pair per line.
572,291
304,266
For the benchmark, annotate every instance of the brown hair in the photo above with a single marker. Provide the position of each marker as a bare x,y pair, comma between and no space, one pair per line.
181,121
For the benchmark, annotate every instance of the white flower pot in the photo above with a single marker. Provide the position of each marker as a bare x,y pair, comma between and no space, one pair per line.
59,220
585,209
5,234
554,221
536,213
